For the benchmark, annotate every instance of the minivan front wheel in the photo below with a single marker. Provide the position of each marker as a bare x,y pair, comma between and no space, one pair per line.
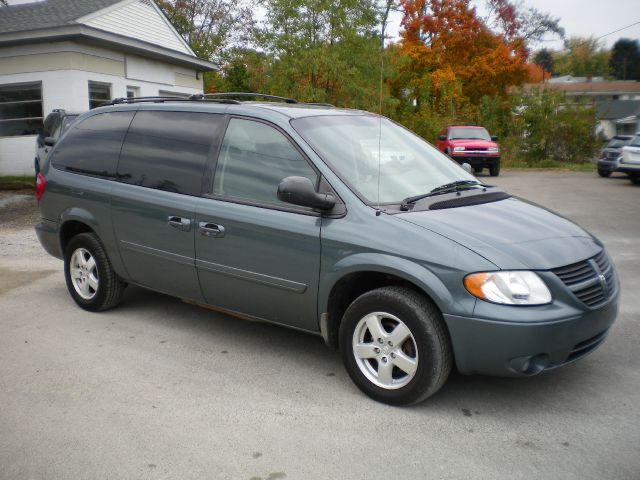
395,345
91,280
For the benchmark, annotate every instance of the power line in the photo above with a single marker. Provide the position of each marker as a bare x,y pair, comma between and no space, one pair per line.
616,31
597,38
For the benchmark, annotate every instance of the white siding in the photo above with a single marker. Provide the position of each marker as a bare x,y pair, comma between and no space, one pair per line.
141,20
68,89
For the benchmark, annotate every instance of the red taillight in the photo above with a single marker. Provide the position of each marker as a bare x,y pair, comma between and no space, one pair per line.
40,183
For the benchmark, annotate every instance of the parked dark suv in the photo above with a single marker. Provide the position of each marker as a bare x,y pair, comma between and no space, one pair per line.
335,222
56,123
609,159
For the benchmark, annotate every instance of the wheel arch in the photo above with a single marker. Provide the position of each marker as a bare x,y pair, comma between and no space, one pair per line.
77,220
360,273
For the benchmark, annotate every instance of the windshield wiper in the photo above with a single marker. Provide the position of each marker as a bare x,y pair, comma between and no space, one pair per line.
442,189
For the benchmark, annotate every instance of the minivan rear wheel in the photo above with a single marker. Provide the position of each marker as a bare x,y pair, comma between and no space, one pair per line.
91,280
395,345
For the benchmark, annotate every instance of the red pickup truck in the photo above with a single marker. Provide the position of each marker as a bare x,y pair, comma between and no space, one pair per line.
472,145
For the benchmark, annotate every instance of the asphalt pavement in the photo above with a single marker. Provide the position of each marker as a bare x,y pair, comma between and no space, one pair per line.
158,389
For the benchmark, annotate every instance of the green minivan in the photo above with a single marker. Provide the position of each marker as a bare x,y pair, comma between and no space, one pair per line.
337,222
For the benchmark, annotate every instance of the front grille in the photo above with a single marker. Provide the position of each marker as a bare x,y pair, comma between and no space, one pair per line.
613,155
592,281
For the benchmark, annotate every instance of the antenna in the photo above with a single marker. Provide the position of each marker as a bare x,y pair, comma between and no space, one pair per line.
380,119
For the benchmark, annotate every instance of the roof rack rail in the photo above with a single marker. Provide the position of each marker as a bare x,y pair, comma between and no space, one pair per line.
161,99
320,104
213,96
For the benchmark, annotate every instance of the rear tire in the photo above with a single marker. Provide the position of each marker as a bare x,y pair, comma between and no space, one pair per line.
604,173
494,170
91,280
395,345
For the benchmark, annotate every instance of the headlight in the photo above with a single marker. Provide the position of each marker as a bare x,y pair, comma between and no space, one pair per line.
493,149
458,149
509,288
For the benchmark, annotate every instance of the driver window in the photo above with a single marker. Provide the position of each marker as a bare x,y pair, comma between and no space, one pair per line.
253,160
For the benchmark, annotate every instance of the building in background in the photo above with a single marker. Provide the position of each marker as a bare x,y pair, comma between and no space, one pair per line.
76,54
618,117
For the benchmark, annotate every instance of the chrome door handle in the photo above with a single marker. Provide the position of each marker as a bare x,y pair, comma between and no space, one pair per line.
180,223
211,229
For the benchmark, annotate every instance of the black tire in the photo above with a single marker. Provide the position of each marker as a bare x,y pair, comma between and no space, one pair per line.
635,179
109,286
604,173
447,152
477,169
430,339
494,170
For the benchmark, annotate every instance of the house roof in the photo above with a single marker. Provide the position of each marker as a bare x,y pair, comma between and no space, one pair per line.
49,13
60,20
618,109
615,87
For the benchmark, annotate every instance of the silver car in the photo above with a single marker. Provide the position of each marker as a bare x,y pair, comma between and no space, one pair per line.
630,160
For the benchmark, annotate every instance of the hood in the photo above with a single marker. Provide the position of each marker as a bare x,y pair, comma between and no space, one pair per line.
511,234
473,144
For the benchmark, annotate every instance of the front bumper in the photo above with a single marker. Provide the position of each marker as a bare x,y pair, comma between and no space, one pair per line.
629,168
477,160
521,349
608,165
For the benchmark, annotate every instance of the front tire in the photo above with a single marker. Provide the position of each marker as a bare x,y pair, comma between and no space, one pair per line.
635,179
604,173
91,280
494,170
395,346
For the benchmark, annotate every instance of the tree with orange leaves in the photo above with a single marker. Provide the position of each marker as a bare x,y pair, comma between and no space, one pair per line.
451,49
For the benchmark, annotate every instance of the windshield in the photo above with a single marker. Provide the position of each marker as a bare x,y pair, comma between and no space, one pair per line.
618,142
355,145
468,134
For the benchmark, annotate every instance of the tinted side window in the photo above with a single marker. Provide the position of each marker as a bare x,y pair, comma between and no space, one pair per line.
254,158
168,150
92,146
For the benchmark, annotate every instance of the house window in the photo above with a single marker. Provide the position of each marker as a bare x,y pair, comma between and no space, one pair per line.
133,92
99,93
21,109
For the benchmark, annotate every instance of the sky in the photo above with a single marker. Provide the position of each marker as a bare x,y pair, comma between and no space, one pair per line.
578,17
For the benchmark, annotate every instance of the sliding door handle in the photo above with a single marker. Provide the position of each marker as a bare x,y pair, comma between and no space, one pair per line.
180,223
211,229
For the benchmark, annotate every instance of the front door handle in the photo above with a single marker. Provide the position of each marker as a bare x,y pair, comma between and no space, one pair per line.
211,229
180,223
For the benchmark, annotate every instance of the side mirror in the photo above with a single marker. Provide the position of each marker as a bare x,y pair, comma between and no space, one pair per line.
494,138
49,141
300,191
442,138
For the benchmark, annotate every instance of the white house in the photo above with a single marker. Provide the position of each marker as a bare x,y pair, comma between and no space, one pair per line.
75,54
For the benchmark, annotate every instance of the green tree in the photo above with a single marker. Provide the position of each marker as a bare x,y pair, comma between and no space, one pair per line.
324,51
555,129
211,27
582,57
544,59
625,60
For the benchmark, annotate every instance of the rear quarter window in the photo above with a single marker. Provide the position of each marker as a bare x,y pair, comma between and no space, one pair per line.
92,146
168,150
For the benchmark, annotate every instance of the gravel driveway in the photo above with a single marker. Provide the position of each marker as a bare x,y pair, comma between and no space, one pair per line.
160,389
